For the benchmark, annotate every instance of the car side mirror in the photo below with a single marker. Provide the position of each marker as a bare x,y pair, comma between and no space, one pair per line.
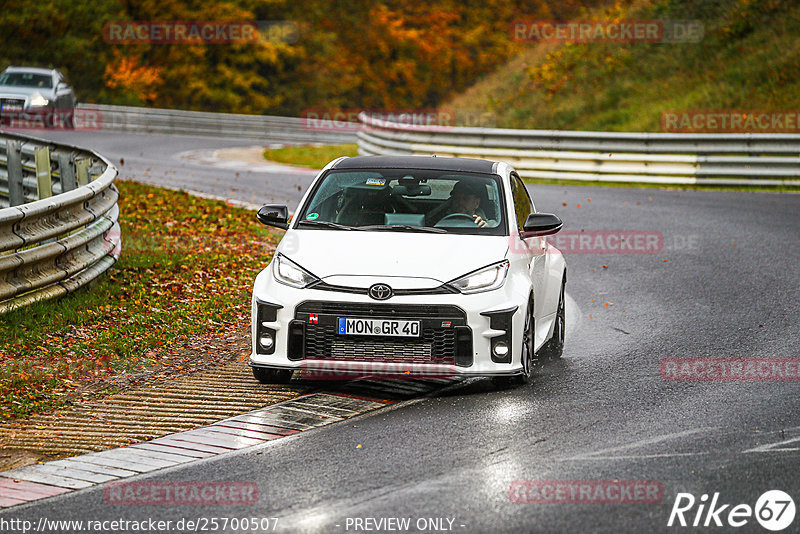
274,215
539,224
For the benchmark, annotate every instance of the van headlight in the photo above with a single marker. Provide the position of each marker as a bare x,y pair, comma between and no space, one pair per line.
288,272
485,279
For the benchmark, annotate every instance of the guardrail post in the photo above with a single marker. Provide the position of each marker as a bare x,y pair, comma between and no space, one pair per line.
94,169
66,169
44,182
16,194
82,171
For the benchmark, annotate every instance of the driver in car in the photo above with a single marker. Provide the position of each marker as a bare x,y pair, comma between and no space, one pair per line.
465,198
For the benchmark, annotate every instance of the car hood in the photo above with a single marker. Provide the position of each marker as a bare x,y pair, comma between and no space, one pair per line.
413,259
12,90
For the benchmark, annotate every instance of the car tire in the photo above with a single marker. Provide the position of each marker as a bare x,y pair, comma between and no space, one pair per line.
272,376
528,356
554,347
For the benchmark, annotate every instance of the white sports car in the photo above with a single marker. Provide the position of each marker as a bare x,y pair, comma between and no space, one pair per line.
410,266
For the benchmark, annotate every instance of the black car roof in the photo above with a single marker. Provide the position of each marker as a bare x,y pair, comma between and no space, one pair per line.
418,162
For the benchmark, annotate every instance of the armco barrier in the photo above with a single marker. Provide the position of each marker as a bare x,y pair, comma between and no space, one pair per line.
58,219
664,158
221,125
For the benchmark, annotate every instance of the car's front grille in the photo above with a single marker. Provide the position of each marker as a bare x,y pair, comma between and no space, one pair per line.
438,341
11,104
368,350
434,346
368,309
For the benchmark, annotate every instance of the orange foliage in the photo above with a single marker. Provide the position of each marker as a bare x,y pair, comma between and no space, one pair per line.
126,74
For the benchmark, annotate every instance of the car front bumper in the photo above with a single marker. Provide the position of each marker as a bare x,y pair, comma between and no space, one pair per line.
458,333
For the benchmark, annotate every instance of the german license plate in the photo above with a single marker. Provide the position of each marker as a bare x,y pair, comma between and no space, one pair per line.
378,327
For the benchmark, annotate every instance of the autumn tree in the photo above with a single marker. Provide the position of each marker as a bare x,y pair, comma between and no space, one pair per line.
386,54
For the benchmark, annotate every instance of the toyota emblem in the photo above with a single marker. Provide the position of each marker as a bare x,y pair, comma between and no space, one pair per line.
380,292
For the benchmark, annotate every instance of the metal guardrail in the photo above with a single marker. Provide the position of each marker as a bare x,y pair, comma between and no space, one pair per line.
58,219
665,158
224,125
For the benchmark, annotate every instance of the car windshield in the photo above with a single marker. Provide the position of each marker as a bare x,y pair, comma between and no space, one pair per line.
407,201
26,79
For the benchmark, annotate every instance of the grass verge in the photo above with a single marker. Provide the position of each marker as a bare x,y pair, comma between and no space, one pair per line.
184,279
748,59
312,156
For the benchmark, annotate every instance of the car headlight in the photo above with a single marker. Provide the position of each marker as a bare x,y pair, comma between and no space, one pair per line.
288,272
37,100
485,279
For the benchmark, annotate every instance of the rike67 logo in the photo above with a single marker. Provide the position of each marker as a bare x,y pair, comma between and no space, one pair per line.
774,510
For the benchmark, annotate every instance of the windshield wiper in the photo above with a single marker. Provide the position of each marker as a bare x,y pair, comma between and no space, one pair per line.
403,227
329,224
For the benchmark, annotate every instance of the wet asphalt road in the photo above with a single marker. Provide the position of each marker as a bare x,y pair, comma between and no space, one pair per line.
172,161
730,287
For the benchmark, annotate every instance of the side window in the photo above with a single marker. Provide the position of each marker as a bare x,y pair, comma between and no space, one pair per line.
522,201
